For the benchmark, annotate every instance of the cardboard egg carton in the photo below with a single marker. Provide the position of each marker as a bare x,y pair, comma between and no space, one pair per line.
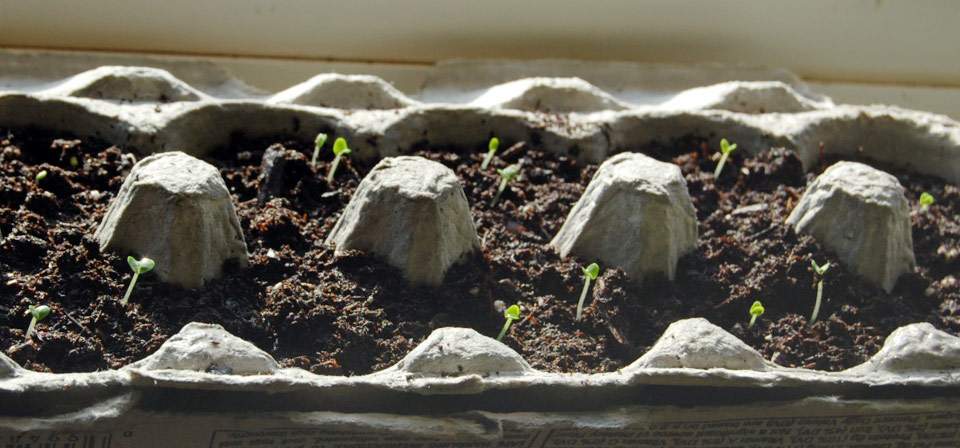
697,386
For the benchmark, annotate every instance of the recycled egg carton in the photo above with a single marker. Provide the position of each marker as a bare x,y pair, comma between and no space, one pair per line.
697,385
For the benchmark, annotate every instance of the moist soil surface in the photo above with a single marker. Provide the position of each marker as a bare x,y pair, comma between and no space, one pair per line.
352,314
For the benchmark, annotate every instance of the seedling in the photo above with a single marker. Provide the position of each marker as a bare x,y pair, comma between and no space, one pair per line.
139,267
726,148
74,161
512,314
507,174
590,273
494,144
318,143
38,313
339,150
820,270
926,200
756,310
41,176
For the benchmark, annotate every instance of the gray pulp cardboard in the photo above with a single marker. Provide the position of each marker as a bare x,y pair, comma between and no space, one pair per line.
698,386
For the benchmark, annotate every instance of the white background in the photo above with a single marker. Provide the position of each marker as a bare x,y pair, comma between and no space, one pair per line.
901,52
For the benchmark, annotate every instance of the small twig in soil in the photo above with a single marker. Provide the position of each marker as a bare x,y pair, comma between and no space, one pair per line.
483,243
544,232
353,170
513,152
77,322
763,232
530,317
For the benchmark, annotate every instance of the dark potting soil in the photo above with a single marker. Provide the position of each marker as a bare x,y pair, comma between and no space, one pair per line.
352,314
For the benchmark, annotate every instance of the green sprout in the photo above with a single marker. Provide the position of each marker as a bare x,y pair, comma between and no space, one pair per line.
139,267
726,148
318,143
926,200
820,270
339,150
41,176
38,313
590,273
74,161
507,174
494,144
756,310
512,314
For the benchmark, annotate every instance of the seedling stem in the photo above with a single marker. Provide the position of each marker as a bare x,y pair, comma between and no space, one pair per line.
589,273
339,150
507,174
820,270
38,313
726,148
926,200
494,144
756,310
318,143
512,314
139,267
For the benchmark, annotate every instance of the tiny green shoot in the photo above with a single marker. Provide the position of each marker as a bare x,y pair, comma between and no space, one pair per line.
139,267
494,144
339,150
318,143
41,176
726,148
756,310
38,313
589,273
820,270
74,162
507,174
512,314
926,200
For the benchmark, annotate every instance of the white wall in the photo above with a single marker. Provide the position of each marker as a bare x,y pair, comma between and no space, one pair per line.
903,52
851,40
